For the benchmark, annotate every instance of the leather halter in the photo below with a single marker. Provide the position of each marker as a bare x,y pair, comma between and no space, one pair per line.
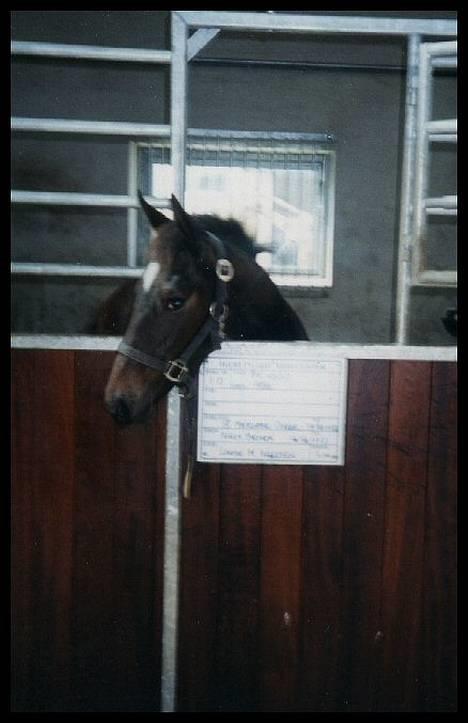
177,370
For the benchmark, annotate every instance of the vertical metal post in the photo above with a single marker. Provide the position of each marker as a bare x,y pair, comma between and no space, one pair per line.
179,74
407,192
173,500
422,155
171,556
132,213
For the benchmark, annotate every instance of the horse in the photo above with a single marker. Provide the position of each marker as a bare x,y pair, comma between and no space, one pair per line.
201,285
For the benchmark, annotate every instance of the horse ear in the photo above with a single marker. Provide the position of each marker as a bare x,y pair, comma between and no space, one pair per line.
155,218
184,220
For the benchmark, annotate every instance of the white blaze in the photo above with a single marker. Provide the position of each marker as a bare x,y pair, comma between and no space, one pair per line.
149,275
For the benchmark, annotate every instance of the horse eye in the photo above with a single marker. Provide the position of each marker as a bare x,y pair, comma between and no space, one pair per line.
175,303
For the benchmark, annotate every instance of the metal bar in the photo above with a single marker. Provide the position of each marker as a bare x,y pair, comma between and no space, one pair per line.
48,198
446,63
325,349
259,135
200,40
132,213
108,128
422,156
444,202
443,138
440,211
37,269
299,64
172,544
179,104
66,342
407,185
90,52
442,126
320,23
56,125
431,278
173,492
441,48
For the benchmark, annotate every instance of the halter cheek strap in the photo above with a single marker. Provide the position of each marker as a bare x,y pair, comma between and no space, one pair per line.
177,371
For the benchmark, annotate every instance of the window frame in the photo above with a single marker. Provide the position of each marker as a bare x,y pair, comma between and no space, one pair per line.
318,144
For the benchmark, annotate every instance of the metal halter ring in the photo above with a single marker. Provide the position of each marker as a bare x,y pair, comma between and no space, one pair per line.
221,318
224,270
176,371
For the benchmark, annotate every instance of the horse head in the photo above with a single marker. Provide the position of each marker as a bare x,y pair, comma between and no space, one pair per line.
181,308
172,302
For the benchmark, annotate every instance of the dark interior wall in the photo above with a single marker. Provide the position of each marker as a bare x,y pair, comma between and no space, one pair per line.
362,108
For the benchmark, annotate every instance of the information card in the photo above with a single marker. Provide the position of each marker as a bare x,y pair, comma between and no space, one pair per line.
257,405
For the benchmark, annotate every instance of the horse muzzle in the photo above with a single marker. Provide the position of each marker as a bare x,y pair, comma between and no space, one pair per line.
121,410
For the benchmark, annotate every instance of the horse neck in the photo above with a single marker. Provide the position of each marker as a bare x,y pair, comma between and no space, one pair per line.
256,308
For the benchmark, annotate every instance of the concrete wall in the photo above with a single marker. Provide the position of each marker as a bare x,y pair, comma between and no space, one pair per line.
362,108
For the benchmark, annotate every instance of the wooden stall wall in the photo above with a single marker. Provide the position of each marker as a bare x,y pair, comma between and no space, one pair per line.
331,588
316,589
87,541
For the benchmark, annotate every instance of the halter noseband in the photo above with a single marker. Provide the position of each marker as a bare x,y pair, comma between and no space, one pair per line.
177,370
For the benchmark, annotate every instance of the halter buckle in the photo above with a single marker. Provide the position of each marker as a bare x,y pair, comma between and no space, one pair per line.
219,315
224,270
176,371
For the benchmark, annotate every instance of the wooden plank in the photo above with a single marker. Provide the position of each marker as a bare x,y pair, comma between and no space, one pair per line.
363,523
118,551
280,588
137,565
93,591
439,645
404,536
236,650
42,508
198,603
321,631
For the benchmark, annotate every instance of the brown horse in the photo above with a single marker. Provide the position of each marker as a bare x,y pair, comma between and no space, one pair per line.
201,283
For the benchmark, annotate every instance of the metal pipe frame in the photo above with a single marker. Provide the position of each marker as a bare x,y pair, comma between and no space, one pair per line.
49,198
432,278
298,23
407,187
91,52
112,272
106,128
403,352
426,130
172,517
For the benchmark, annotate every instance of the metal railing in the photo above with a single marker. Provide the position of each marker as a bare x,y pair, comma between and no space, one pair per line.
108,128
430,131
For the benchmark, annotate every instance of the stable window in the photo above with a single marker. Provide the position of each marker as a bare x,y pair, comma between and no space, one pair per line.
280,186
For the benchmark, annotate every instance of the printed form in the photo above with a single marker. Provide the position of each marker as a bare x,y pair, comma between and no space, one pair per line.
261,407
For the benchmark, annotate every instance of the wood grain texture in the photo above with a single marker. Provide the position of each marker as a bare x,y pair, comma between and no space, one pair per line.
239,551
87,524
118,550
410,389
363,522
321,630
439,634
42,529
280,587
315,589
199,592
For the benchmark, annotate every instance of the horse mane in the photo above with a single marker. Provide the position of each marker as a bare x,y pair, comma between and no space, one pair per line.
230,231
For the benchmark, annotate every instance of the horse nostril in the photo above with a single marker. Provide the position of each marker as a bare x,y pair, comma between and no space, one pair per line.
120,410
